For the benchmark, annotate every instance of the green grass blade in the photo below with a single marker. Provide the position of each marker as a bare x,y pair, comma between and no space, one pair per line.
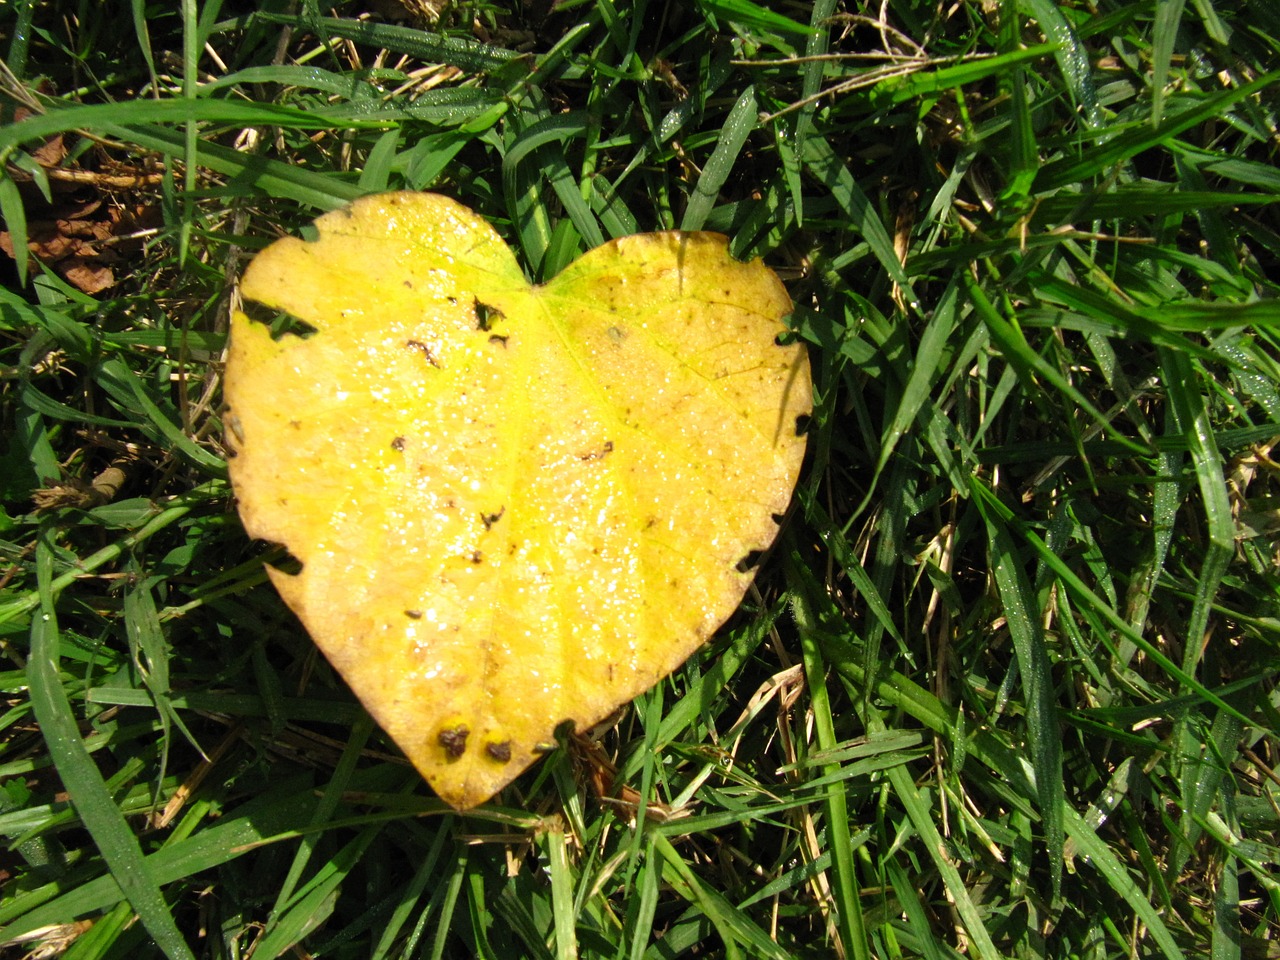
468,55
1103,859
922,820
324,811
562,898
825,166
14,213
1044,731
111,832
1082,593
742,119
751,14
1029,364
101,115
1164,37
251,173
735,929
1129,144
1072,56
849,918
1194,422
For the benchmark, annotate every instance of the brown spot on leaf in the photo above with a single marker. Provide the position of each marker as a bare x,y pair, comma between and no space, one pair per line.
605,448
425,350
499,751
454,741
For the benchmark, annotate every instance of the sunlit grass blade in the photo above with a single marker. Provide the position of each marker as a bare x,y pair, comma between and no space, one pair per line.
1129,144
848,907
737,127
111,833
1035,671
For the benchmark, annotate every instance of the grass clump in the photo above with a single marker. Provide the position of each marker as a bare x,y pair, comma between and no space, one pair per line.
1006,686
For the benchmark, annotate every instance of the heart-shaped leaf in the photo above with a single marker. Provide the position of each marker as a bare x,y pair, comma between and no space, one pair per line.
513,505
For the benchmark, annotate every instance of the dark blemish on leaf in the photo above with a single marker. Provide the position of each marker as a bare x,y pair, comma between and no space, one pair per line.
511,550
449,504
454,741
426,351
617,334
453,301
750,561
413,614
498,339
598,454
397,443
485,315
499,751
489,519
408,284
477,556
296,424
802,424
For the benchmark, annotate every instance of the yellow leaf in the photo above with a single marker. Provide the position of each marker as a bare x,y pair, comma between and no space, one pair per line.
514,505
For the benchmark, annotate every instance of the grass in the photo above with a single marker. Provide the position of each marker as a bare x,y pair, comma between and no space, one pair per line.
1006,684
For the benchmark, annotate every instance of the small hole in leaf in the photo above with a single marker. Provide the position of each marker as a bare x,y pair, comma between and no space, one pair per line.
802,424
280,322
750,561
281,559
485,315
778,518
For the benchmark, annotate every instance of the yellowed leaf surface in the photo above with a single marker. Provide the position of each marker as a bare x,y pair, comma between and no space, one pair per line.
514,505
